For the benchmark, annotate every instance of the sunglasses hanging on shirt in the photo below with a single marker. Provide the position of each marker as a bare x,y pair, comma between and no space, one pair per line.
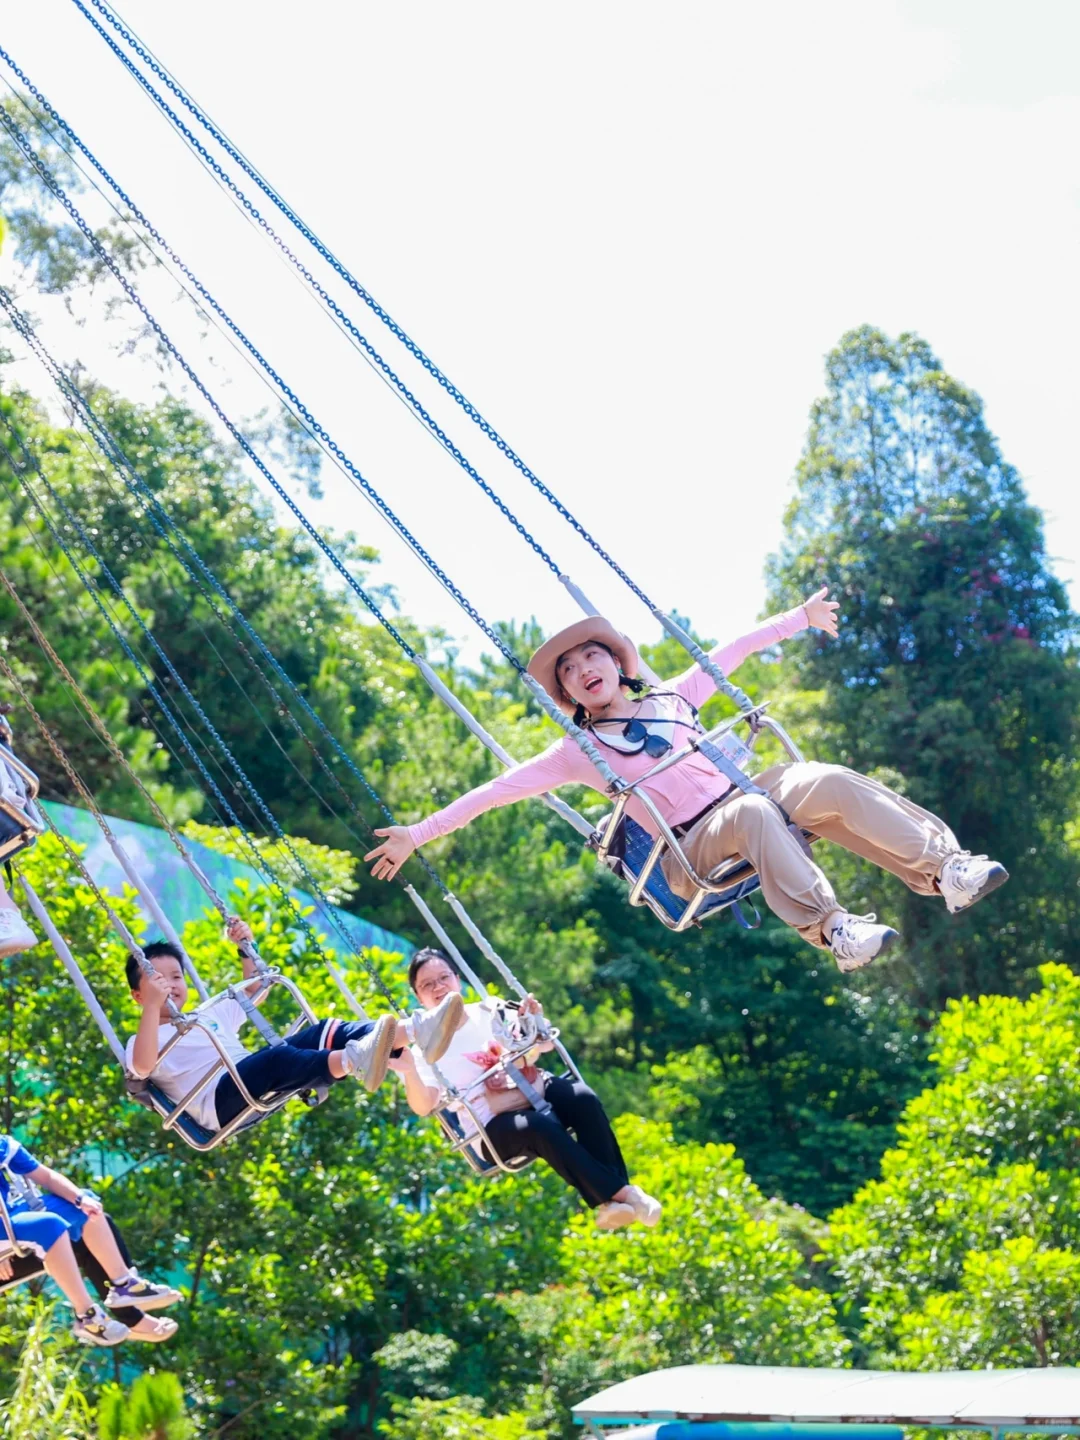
638,735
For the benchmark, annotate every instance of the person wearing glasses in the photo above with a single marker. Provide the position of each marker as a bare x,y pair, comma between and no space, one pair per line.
591,671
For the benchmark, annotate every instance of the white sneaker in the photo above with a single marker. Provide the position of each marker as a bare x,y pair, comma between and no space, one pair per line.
134,1290
433,1030
647,1210
966,878
613,1215
97,1328
369,1057
857,939
15,934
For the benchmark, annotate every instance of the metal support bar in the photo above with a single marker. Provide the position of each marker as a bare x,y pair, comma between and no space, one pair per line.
484,945
79,980
448,945
347,992
584,603
159,916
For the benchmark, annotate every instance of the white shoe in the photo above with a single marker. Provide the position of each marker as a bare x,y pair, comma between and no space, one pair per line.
966,878
857,939
647,1210
369,1057
15,934
433,1030
613,1215
97,1328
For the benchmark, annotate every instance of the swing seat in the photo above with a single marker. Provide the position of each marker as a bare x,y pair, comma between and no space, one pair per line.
479,1164
631,852
151,1097
740,882
26,1264
21,822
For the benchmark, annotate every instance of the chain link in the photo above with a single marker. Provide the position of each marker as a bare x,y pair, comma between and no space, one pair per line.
549,706
710,667
5,301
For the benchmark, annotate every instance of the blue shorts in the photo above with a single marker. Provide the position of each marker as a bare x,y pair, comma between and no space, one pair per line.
41,1229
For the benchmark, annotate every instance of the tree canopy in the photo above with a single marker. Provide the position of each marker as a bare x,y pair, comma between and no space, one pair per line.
862,1169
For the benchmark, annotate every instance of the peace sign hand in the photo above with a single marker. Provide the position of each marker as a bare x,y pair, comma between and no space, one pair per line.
823,614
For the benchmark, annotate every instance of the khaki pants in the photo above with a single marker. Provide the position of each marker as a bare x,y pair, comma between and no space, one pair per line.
836,803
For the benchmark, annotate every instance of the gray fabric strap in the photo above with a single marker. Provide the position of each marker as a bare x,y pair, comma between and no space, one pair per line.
727,767
534,1096
251,1010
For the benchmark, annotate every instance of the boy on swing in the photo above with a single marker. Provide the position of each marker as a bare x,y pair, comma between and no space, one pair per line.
320,1054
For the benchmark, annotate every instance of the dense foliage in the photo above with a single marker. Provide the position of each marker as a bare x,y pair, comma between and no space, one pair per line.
345,1278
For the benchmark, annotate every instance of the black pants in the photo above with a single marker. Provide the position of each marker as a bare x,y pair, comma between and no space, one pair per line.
25,1266
592,1164
301,1063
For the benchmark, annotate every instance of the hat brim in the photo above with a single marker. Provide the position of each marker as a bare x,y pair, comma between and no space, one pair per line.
544,663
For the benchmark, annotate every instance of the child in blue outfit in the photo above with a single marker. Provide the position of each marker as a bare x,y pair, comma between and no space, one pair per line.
50,1223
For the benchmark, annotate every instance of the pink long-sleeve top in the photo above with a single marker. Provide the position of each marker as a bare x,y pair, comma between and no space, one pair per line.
679,793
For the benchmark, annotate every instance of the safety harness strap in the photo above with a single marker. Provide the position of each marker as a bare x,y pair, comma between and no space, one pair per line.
254,1014
534,1096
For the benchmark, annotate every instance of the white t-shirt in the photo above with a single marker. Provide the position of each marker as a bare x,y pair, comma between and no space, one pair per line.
473,1037
193,1055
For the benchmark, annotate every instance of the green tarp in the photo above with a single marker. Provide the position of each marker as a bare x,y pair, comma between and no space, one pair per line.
176,889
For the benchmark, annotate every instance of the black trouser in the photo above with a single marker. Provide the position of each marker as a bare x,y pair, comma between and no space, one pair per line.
300,1064
592,1164
25,1266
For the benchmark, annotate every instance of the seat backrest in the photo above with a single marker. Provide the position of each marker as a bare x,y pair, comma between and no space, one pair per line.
635,848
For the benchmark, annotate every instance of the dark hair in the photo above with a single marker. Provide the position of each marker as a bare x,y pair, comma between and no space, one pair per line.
133,966
421,958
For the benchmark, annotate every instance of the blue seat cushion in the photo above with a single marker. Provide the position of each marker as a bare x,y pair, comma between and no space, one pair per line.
637,844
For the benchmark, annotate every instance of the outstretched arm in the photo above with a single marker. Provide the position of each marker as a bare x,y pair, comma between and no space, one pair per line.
817,612
554,767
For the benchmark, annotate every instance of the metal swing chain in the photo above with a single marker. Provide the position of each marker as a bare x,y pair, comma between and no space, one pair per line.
107,441
340,315
723,684
159,699
579,736
117,924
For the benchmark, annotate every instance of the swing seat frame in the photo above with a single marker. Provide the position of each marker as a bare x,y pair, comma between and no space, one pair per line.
465,1143
175,1114
12,1248
638,856
20,824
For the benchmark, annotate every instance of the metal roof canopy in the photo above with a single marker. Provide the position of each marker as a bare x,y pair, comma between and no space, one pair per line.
1046,1400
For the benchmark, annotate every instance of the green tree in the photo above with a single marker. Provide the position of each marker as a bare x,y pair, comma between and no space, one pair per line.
46,1399
954,665
153,1409
966,1250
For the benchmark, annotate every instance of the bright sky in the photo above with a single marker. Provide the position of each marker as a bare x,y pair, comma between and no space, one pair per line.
629,233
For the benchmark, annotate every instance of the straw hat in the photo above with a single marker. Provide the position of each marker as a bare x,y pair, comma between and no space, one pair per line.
543,664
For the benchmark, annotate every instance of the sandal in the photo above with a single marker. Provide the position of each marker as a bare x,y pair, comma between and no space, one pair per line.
161,1328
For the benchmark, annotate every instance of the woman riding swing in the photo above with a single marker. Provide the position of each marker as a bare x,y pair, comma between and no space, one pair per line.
590,670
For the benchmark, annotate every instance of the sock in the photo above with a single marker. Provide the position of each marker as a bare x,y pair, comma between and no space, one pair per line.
123,1279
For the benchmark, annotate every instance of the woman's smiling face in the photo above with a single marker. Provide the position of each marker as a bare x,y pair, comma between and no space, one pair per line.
589,675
